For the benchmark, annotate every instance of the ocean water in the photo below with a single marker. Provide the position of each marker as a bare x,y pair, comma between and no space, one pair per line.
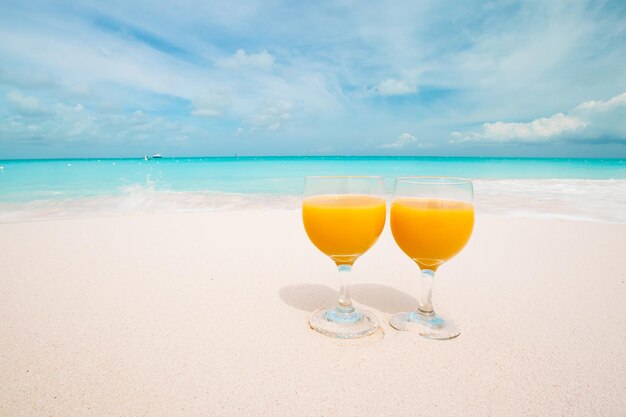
586,189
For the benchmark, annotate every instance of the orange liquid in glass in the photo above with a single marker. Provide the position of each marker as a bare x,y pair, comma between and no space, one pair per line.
343,226
431,231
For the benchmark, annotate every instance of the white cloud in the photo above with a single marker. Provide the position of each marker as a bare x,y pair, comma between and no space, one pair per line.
212,105
77,124
242,59
205,112
273,116
392,87
537,130
589,120
406,140
603,105
25,105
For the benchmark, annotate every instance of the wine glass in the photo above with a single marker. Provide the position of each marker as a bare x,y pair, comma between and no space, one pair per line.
431,221
343,217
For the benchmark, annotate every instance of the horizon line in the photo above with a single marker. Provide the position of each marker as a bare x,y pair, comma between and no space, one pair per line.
236,156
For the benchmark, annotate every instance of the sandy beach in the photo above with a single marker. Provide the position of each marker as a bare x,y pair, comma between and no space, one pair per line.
206,314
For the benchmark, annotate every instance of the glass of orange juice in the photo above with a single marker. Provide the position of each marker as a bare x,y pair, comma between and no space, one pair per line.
343,217
431,220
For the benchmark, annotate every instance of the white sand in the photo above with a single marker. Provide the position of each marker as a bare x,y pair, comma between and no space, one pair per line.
205,315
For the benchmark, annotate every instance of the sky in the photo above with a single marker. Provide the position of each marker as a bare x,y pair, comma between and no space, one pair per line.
126,78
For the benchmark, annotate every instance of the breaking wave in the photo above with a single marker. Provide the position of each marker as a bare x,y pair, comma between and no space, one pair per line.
587,200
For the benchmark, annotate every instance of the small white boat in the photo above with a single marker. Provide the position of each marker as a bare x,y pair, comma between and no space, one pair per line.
156,156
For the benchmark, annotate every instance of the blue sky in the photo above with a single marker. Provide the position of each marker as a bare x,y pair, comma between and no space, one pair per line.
129,78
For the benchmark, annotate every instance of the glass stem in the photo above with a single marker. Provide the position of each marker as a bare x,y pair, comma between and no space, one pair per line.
425,303
345,301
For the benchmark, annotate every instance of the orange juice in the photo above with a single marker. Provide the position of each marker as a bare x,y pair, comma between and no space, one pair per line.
343,226
431,231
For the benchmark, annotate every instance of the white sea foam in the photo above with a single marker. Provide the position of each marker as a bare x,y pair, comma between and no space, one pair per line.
138,199
590,200
583,200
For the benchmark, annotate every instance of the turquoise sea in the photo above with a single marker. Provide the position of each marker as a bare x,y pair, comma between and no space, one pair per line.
62,187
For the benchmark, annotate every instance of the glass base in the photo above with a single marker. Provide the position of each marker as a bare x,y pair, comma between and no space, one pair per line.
430,326
343,324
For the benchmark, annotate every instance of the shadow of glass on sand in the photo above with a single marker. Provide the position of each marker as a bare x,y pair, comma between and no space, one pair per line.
383,298
310,297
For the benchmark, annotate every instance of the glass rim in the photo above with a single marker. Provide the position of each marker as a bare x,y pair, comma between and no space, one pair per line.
432,180
331,177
